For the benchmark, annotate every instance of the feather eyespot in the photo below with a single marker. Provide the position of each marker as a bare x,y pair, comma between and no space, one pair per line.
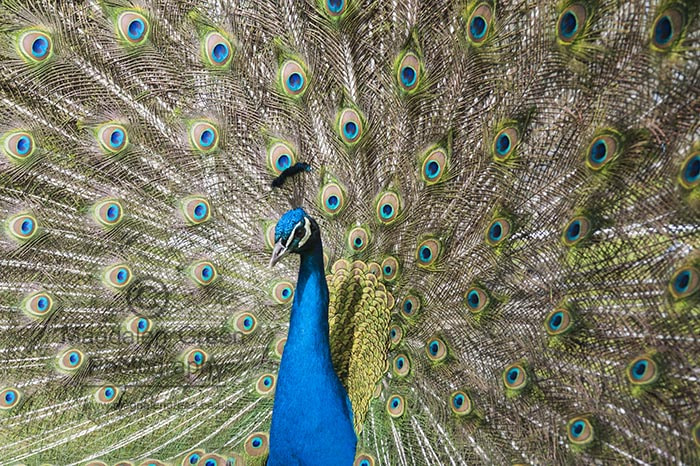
479,24
278,349
395,406
283,292
684,282
390,269
139,326
388,207
643,370
265,384
204,136
195,209
112,138
410,305
108,213
38,305
576,230
70,360
133,27
257,444
476,299
10,398
436,350
571,22
427,252
293,78
217,50
22,227
401,365
498,230
434,166
18,145
602,151
461,403
332,199
579,430
504,143
690,171
117,276
395,334
667,28
350,126
194,359
335,8
192,458
696,433
408,72
558,322
203,273
35,46
107,394
358,239
515,377
364,460
280,156
244,323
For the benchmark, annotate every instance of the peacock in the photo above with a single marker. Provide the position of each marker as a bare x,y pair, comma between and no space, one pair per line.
349,232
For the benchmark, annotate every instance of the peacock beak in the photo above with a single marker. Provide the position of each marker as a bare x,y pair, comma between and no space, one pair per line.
279,251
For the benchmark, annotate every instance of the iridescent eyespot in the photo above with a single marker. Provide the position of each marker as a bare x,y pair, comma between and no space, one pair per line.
395,406
283,292
332,199
256,444
684,282
388,207
139,326
195,210
280,156
434,165
689,176
642,371
576,230
204,136
696,433
427,252
558,322
479,23
107,394
217,50
476,299
436,350
601,151
35,46
364,460
667,28
194,359
571,22
580,431
107,212
349,126
112,138
192,458
292,78
117,276
10,398
358,239
133,27
335,8
203,272
498,230
401,365
515,377
18,145
408,72
460,403
410,305
70,360
395,334
244,323
390,269
265,384
504,143
214,459
22,227
279,347
38,305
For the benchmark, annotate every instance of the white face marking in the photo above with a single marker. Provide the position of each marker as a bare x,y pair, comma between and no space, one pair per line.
305,238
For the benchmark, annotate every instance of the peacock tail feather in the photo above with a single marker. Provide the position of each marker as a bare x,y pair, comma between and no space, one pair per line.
507,192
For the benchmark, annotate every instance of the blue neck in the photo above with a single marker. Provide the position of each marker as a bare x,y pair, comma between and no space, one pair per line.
312,417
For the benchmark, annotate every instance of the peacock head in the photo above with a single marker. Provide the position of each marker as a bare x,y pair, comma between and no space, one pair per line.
293,233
